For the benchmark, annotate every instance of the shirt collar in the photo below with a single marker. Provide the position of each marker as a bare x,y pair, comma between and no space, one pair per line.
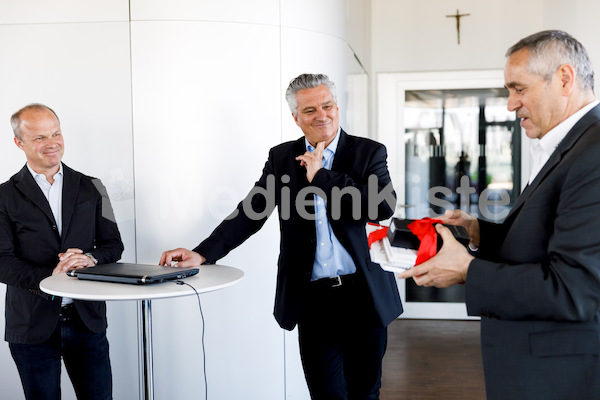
552,139
332,146
35,174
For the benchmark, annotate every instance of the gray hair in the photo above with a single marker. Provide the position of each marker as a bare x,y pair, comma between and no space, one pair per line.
15,119
550,49
307,81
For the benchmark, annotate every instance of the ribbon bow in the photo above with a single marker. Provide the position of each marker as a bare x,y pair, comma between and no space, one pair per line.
376,235
425,231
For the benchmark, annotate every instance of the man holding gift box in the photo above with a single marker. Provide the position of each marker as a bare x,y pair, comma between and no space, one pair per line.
535,278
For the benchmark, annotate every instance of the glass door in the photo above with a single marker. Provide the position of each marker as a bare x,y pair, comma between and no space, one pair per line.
462,151
452,144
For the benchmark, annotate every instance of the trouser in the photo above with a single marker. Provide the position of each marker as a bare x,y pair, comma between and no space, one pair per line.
341,344
84,353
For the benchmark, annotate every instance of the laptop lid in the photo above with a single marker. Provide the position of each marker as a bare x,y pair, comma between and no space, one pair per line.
138,274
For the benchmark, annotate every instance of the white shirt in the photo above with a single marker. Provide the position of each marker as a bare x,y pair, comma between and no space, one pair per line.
542,149
53,193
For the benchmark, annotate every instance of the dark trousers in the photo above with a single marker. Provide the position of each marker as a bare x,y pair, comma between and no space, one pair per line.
341,344
85,355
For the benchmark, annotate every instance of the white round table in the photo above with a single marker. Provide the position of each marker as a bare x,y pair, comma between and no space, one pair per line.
209,278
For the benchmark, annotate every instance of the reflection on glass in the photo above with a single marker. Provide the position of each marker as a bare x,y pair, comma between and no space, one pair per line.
462,151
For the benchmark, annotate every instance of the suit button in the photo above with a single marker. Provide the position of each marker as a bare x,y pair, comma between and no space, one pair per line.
54,228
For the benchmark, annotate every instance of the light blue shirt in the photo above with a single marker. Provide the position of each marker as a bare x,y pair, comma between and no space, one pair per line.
331,258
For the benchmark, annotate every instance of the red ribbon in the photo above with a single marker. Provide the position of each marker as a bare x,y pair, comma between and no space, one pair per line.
425,231
376,235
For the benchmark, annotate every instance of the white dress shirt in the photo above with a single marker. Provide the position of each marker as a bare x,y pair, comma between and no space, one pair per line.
53,193
542,149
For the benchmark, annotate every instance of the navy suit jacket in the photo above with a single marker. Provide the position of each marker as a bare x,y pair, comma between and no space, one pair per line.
30,244
355,160
536,281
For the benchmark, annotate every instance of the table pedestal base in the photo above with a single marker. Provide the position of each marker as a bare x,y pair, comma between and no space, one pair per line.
145,350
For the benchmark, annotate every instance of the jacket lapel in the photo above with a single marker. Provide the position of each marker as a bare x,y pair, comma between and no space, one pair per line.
25,183
298,178
299,170
563,147
71,183
344,147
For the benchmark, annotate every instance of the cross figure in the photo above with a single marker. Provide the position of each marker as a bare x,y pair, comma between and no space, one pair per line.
457,16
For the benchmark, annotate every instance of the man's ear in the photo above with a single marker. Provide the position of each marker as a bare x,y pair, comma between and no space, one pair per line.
19,143
566,74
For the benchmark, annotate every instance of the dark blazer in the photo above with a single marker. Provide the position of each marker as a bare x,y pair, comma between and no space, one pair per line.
536,282
355,160
30,244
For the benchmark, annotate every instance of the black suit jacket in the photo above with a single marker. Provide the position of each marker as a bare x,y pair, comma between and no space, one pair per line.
30,244
355,160
536,282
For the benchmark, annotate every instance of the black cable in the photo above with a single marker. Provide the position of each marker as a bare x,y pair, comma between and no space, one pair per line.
203,347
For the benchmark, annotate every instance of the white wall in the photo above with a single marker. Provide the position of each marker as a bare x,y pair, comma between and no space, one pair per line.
413,36
174,105
410,36
579,19
206,111
75,58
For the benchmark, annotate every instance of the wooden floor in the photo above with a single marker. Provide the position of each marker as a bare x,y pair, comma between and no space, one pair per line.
433,360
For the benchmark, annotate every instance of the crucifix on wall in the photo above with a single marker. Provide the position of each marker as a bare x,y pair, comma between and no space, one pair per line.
457,16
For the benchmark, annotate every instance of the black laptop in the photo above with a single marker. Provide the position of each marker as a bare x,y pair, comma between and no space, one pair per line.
138,274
